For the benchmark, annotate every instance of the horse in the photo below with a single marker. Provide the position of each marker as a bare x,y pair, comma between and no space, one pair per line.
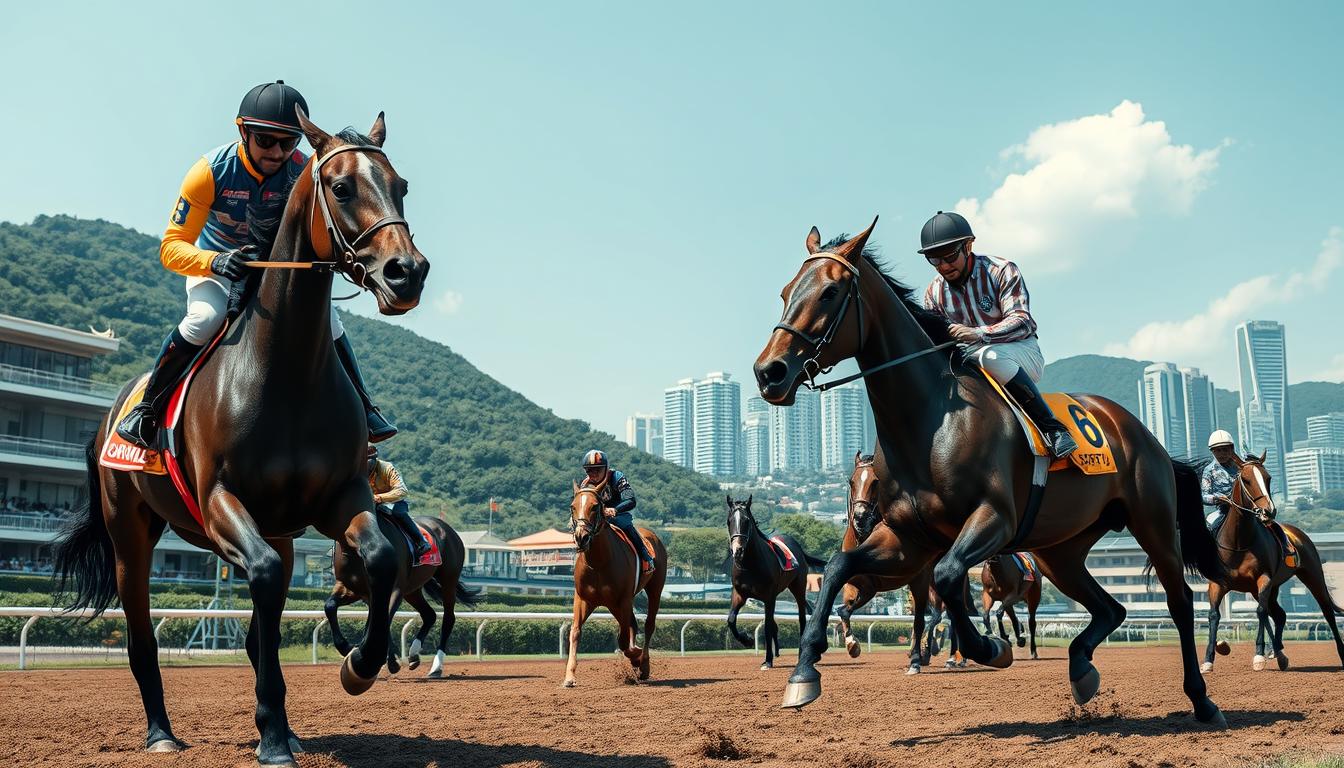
956,469
757,573
415,583
607,573
1005,584
274,440
1255,562
862,525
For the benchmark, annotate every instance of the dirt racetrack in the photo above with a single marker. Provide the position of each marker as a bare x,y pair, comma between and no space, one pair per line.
697,711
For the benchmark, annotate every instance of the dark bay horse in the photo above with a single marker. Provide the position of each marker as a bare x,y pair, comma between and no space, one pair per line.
757,574
1004,583
956,470
440,583
273,436
1255,562
607,573
864,524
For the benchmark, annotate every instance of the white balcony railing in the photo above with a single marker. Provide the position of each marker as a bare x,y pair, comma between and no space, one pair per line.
32,377
32,446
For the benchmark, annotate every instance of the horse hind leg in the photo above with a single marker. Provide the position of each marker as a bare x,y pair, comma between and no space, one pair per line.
654,592
1313,578
1017,627
427,619
1064,566
339,598
1280,618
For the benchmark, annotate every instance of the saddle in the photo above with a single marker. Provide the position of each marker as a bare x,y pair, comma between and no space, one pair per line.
121,455
1290,556
639,569
1093,456
1026,564
432,557
787,560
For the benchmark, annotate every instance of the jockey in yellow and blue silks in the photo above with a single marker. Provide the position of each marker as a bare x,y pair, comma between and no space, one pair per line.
618,500
207,242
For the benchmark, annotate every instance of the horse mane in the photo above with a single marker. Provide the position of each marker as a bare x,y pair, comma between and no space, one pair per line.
866,460
350,136
934,324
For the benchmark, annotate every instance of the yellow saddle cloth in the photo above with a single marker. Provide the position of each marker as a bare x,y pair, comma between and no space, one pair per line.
1093,456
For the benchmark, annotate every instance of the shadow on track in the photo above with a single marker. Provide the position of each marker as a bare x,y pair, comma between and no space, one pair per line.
388,750
684,683
1090,725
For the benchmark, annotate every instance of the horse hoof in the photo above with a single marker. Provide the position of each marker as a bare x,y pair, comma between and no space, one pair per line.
1086,687
800,694
853,648
951,664
913,670
1206,668
1282,660
413,662
1258,663
294,746
1034,656
1216,721
166,745
352,682
569,684
1021,642
1222,648
1003,656
393,667
414,651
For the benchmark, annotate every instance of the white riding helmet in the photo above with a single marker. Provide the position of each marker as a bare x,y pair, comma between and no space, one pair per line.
1220,437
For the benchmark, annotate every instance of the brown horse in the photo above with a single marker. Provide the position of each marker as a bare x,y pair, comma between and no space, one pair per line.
864,525
607,573
956,470
757,574
415,583
1255,561
273,439
1004,583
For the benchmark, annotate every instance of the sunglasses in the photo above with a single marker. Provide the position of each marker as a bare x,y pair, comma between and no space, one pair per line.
269,141
947,258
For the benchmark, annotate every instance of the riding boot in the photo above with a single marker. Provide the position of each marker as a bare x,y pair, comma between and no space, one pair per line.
380,428
1057,438
401,512
141,425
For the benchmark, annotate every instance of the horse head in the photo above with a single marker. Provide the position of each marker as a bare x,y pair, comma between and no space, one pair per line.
585,516
1251,492
863,496
358,218
822,323
741,525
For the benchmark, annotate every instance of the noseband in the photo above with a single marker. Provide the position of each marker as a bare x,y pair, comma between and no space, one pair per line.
735,536
601,517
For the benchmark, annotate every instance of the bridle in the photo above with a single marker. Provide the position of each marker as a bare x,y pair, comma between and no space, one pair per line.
1260,515
601,517
853,500
742,507
342,249
812,367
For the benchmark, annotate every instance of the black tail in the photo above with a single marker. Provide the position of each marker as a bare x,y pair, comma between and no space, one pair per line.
813,562
83,548
434,591
1199,550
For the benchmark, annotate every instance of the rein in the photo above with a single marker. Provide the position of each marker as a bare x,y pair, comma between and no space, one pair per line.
812,367
346,263
1250,510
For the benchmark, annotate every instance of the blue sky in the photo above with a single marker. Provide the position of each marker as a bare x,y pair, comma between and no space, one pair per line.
617,192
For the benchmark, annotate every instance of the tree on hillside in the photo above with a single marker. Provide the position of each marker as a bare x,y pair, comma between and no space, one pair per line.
820,538
699,550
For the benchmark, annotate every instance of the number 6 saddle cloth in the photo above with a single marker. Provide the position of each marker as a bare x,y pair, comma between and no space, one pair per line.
1093,456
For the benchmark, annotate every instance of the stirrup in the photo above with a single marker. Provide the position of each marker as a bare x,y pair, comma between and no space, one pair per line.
1062,443
141,415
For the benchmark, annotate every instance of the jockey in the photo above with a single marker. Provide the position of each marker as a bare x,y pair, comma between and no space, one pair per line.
389,493
617,498
207,242
1215,484
985,302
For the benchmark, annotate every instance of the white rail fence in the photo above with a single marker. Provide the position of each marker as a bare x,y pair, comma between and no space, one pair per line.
1064,625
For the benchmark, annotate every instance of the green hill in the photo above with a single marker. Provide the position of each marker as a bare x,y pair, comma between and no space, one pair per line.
465,437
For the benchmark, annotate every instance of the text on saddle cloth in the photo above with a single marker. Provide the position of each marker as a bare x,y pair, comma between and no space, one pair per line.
1093,456
117,453
787,560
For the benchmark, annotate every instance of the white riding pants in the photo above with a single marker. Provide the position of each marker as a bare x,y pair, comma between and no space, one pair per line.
207,304
1003,361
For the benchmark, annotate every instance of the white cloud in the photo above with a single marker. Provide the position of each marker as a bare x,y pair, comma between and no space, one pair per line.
449,302
1084,173
1333,371
1188,339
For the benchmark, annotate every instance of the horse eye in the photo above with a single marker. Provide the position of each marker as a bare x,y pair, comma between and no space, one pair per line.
342,190
829,293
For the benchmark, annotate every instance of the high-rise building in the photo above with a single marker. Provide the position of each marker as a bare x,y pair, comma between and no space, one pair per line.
1260,434
645,432
1310,470
795,434
1201,417
757,404
756,443
1326,430
717,401
1262,371
844,425
1162,402
679,423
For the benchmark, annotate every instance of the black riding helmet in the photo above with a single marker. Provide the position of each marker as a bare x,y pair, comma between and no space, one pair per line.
944,229
270,107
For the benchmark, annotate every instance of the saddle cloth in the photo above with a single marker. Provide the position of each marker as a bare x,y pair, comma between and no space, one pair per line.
433,557
639,566
787,560
1290,556
1093,456
118,454
1026,564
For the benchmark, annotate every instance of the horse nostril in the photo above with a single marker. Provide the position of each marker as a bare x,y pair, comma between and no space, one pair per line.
774,373
397,270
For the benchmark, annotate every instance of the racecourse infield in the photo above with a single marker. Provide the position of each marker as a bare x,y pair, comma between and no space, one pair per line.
698,711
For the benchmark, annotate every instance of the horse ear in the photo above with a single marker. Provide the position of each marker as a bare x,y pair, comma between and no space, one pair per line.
317,138
749,496
1263,455
379,130
728,499
575,484
857,455
814,241
853,248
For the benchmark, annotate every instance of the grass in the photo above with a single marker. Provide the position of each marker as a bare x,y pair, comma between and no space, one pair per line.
1301,761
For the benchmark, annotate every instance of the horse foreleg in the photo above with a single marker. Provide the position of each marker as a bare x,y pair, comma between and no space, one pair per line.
393,665
363,537
771,635
1262,590
1031,622
986,607
1017,626
1280,617
427,619
582,610
735,607
918,657
1215,618
284,548
984,534
234,531
857,593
